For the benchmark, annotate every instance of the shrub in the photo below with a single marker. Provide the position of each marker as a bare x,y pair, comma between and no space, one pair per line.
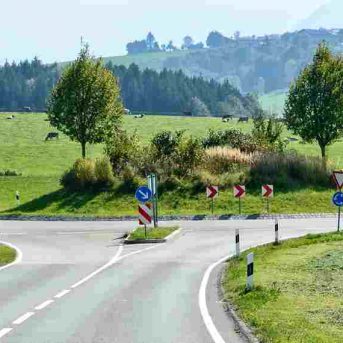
103,172
9,172
165,143
218,160
85,172
233,138
289,170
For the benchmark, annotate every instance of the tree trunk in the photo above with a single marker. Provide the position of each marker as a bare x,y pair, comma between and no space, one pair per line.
83,147
323,151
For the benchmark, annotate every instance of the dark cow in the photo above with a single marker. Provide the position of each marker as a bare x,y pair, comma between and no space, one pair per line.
187,113
137,116
226,118
243,120
51,135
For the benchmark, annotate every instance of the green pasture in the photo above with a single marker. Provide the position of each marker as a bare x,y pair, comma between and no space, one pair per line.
41,163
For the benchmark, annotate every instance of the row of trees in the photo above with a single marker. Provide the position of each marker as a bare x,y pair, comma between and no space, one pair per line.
29,84
173,91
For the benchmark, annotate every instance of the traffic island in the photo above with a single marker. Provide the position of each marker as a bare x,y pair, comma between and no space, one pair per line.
7,255
297,293
151,235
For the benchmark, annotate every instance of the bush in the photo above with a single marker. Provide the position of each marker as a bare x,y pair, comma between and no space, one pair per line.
9,172
289,170
103,172
220,160
233,138
87,174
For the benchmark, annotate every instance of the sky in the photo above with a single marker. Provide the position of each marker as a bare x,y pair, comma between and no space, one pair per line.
51,29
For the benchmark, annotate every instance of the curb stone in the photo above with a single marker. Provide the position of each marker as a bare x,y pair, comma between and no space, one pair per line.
241,326
170,217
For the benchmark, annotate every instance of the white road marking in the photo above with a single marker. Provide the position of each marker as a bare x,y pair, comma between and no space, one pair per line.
13,233
19,255
24,317
44,304
5,331
212,330
62,293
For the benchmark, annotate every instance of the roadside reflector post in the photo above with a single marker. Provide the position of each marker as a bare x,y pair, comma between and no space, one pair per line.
152,184
276,232
238,252
17,197
239,192
250,272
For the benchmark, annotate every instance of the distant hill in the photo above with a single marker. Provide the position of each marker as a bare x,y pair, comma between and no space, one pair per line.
328,15
251,64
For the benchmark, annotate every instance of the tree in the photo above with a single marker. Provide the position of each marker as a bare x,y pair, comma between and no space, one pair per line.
85,104
314,109
198,108
187,42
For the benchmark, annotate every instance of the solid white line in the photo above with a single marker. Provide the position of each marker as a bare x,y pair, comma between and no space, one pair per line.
44,304
5,331
212,330
62,293
24,317
114,260
19,255
99,270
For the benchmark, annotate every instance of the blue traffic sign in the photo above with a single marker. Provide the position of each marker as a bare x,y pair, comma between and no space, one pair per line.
338,199
143,194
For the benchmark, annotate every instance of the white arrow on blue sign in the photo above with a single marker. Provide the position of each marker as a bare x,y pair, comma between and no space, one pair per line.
143,194
338,199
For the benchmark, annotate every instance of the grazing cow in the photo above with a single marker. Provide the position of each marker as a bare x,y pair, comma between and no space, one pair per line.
51,135
226,118
243,120
27,109
127,111
11,117
187,113
137,116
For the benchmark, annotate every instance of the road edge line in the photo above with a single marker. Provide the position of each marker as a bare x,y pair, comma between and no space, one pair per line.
18,258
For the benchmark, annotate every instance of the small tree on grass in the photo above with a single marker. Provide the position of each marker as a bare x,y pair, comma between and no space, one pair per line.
314,109
85,104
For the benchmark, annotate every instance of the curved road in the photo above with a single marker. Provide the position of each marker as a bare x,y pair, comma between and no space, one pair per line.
77,283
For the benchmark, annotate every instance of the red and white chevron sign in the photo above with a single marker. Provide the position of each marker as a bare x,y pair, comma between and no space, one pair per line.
338,177
239,191
212,191
267,191
145,214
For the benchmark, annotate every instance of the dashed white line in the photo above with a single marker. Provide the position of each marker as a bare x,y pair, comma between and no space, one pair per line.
62,293
44,304
24,317
5,331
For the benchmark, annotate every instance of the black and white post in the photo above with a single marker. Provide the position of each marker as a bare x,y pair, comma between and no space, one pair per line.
250,272
276,232
17,197
238,251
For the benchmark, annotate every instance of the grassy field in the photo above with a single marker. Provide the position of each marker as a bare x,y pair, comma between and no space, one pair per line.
41,164
298,290
7,255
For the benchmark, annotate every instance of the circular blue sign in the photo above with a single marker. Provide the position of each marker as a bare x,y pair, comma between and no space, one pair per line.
338,199
143,194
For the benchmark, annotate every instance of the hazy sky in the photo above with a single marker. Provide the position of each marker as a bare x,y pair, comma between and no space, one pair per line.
51,29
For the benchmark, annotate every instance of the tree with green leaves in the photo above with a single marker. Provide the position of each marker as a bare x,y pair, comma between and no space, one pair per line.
85,104
314,108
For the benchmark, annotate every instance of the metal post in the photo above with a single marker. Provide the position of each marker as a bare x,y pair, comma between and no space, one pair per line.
237,243
250,272
239,206
339,219
267,205
145,231
212,205
276,231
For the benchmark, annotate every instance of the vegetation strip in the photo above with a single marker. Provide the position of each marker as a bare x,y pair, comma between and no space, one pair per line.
7,255
152,234
298,287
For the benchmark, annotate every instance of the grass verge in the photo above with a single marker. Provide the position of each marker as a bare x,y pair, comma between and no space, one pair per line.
7,255
155,233
298,290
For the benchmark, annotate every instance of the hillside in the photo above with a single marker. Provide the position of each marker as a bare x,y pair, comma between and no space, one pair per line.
252,64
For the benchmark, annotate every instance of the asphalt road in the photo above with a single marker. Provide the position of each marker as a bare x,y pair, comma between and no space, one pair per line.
77,283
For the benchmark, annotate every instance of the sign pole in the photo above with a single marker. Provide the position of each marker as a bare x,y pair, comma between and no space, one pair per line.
239,206
145,231
212,205
339,219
